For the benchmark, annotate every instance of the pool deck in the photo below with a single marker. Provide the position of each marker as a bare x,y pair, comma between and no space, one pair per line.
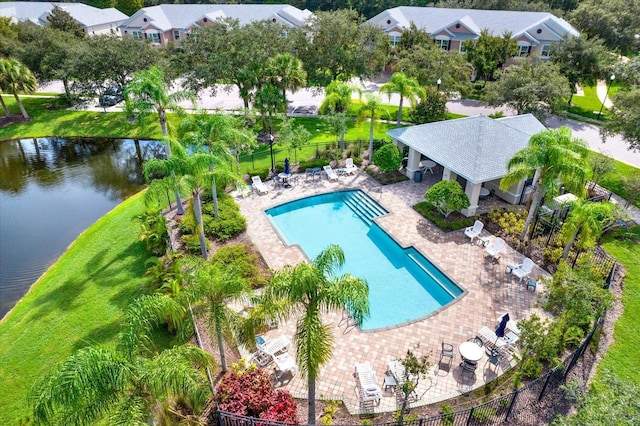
490,292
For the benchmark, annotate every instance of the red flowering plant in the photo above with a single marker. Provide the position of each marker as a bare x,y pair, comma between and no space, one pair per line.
249,392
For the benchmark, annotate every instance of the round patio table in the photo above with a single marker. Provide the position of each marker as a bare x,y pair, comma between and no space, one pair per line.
471,351
285,179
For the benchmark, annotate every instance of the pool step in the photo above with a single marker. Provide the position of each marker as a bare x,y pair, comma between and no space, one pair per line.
363,206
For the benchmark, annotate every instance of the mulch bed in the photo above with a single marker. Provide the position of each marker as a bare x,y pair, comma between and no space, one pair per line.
12,119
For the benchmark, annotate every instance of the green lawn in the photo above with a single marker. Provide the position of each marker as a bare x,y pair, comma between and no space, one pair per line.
79,301
622,355
613,180
589,105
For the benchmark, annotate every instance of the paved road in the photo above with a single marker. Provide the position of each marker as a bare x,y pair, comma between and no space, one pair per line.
307,101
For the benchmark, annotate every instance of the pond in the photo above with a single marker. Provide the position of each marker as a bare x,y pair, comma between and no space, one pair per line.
52,189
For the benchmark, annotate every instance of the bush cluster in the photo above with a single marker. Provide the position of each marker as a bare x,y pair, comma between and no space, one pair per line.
511,223
250,393
153,231
229,223
243,262
427,211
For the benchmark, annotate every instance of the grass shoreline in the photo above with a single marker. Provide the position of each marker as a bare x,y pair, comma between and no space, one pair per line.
79,301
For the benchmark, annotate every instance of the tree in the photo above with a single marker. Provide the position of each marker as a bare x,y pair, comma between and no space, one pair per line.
530,86
312,288
371,109
338,96
191,172
210,289
388,158
125,384
338,45
601,164
15,77
149,92
554,158
433,107
488,53
286,72
446,197
406,87
295,137
61,20
414,369
586,220
631,186
219,134
580,60
624,118
269,101
428,64
616,22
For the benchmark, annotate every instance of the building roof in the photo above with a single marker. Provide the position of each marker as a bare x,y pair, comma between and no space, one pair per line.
542,26
166,17
36,12
476,148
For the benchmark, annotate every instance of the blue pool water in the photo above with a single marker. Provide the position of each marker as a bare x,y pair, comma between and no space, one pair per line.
403,284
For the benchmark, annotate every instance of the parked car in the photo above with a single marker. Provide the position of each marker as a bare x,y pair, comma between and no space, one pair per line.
111,96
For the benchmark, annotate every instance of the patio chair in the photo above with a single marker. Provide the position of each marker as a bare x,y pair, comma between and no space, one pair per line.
493,359
367,383
258,185
474,231
477,340
350,168
491,339
284,364
331,175
446,351
495,249
523,270
275,347
243,190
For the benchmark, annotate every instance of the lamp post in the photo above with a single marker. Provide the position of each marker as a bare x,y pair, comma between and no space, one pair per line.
271,138
613,77
438,83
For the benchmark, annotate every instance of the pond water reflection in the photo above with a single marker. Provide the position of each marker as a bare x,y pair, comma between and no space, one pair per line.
51,189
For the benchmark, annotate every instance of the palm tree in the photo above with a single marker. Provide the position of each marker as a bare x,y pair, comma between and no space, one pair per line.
270,101
149,92
554,158
191,172
125,384
218,133
406,87
211,287
586,220
15,77
310,289
286,72
338,100
371,109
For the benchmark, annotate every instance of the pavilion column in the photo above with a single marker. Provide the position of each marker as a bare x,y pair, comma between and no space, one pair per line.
413,163
473,192
449,175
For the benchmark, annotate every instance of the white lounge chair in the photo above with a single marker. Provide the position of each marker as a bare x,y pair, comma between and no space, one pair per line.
330,173
495,249
284,363
349,167
258,185
367,383
523,270
475,230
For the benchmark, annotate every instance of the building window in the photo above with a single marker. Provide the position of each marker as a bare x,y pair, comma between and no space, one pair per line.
461,47
523,50
443,44
176,35
394,40
154,37
136,34
284,34
546,51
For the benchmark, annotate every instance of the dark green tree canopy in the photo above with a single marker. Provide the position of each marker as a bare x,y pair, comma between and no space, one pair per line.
487,53
61,20
387,157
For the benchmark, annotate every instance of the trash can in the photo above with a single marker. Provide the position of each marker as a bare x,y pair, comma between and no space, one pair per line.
417,176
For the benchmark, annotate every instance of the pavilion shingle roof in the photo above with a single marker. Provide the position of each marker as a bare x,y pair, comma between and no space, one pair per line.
476,148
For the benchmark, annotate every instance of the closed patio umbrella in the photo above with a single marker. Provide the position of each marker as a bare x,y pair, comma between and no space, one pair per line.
502,326
287,170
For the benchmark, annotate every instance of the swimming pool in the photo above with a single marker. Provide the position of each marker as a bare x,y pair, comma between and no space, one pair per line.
403,285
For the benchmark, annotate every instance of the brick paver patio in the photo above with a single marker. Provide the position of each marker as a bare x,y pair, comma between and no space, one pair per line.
490,291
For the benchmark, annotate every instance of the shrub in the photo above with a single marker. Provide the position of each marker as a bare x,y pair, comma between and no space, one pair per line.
552,254
316,162
531,368
388,158
250,393
426,210
432,108
448,415
230,221
447,196
153,231
242,262
192,243
262,172
511,223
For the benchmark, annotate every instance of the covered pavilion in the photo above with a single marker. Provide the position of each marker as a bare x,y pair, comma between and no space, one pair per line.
473,150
